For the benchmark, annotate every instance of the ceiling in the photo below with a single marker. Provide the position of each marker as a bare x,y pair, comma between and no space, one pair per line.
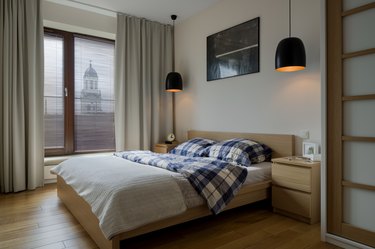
155,10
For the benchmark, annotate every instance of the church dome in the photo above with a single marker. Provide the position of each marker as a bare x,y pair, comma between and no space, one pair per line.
90,72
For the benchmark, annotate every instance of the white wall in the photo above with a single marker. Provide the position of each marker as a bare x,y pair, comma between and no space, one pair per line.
264,102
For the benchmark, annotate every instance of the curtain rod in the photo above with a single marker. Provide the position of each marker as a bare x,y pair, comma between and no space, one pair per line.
109,10
96,7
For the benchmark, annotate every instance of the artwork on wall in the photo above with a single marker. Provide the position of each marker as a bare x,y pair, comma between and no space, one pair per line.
234,51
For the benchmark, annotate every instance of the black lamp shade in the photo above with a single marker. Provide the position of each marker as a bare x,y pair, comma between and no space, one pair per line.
290,55
173,83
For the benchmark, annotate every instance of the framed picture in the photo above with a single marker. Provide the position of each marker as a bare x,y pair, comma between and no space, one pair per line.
234,51
309,149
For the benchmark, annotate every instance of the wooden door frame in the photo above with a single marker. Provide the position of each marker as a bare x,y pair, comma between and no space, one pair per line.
334,115
335,136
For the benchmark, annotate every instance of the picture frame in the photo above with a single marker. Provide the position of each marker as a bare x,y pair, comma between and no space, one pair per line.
310,150
234,51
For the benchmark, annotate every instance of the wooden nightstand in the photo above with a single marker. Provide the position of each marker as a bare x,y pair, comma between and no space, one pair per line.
296,188
163,148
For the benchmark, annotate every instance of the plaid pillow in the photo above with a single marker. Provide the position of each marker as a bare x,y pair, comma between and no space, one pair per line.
240,151
194,147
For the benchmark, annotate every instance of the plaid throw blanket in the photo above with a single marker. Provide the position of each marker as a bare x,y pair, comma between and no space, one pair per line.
216,181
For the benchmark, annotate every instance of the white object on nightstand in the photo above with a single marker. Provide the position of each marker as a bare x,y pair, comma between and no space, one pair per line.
171,137
311,150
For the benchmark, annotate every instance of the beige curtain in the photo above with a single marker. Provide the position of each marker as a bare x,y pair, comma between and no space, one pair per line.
21,95
143,114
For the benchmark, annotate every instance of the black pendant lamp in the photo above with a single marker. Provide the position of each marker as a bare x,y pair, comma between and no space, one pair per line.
290,53
173,83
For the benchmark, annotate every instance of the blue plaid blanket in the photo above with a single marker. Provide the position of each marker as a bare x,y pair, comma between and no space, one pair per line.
216,181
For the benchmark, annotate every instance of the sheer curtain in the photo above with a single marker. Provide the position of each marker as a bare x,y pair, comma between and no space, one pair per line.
143,114
21,95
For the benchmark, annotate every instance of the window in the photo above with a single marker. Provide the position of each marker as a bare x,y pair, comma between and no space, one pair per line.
78,93
53,91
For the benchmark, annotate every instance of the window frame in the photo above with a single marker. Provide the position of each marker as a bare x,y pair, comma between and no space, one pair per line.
68,72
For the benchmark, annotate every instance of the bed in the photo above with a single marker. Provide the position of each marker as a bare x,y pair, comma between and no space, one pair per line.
281,145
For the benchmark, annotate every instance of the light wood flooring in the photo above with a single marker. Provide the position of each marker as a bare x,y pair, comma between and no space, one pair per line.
38,219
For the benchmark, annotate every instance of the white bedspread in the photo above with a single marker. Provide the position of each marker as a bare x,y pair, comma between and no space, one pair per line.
122,194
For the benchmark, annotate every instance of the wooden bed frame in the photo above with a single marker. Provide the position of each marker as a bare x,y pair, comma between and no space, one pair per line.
281,145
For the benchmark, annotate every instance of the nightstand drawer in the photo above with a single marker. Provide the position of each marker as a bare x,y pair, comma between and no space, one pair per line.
291,201
160,149
163,148
293,177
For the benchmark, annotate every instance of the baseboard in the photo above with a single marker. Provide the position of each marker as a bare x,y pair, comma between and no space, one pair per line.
345,243
49,181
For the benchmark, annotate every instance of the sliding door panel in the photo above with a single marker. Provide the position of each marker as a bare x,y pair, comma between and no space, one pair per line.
351,4
355,38
358,165
359,203
359,75
359,118
351,119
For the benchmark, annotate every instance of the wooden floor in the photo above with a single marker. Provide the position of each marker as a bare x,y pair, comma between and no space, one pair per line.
37,219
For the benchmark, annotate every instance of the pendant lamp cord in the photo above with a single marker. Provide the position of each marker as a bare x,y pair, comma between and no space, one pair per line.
290,20
173,19
173,98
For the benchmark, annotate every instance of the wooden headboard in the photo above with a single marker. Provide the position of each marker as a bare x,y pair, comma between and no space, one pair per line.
281,145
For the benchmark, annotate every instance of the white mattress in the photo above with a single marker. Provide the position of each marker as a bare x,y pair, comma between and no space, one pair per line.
256,173
111,185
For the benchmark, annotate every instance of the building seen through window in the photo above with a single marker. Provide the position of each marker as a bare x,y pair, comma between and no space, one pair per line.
90,95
